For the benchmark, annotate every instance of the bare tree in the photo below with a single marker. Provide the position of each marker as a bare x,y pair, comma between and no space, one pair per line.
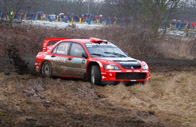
149,13
186,11
13,6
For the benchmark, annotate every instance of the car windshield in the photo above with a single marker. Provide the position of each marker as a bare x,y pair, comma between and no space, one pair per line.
104,50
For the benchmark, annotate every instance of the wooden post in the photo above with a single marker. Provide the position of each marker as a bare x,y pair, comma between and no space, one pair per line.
25,16
97,21
72,21
57,18
170,26
186,30
80,20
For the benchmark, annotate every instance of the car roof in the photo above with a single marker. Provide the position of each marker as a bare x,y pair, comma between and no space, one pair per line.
78,40
91,40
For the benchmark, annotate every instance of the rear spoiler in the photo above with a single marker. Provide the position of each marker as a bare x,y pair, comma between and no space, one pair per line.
46,41
97,40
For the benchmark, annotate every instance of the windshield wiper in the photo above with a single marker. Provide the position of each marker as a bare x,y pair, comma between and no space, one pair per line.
96,54
114,53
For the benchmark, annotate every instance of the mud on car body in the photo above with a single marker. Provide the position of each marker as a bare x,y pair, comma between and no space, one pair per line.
91,59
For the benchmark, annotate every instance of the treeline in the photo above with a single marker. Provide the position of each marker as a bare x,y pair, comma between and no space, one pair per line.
182,9
150,14
53,6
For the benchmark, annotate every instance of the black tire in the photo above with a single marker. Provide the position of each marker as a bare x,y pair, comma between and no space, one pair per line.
96,75
46,69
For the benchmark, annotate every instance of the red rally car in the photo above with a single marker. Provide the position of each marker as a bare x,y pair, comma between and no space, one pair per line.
91,59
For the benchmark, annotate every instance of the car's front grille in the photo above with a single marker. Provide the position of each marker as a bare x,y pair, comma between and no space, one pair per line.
130,75
131,66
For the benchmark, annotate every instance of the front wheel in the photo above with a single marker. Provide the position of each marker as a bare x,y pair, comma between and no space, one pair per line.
96,75
46,69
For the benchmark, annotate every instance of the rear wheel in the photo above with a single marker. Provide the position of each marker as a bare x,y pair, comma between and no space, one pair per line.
46,69
96,75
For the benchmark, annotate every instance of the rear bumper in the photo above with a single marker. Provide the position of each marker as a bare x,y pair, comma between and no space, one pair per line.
38,67
128,75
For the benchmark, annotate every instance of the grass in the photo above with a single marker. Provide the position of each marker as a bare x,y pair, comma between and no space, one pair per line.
171,97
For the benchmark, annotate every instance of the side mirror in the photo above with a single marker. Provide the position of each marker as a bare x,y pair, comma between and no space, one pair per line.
84,55
127,53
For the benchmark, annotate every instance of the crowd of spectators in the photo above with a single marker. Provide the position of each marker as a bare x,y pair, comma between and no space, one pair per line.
83,18
88,18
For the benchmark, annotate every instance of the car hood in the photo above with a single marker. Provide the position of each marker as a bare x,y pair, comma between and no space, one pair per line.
126,63
127,59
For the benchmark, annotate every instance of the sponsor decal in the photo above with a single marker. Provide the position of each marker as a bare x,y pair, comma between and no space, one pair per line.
99,44
79,61
83,61
136,71
129,71
114,70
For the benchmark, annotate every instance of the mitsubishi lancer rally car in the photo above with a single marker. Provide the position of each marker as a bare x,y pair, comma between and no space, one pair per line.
91,59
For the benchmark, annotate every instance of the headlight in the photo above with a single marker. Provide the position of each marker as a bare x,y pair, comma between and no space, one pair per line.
111,67
145,67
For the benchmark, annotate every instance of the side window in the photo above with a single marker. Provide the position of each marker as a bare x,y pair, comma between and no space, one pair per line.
62,48
76,50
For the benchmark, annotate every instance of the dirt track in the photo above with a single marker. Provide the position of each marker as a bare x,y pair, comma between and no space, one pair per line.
32,101
37,102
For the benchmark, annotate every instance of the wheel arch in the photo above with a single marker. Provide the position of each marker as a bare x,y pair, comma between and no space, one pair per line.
89,67
43,63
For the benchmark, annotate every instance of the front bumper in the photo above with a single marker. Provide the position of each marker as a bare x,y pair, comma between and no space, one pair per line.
125,75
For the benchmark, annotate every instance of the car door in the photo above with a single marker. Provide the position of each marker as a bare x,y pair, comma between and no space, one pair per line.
60,59
77,63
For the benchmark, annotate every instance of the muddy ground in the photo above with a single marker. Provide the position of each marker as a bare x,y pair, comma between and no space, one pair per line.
30,100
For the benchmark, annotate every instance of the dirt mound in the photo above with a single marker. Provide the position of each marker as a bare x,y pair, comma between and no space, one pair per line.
139,43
